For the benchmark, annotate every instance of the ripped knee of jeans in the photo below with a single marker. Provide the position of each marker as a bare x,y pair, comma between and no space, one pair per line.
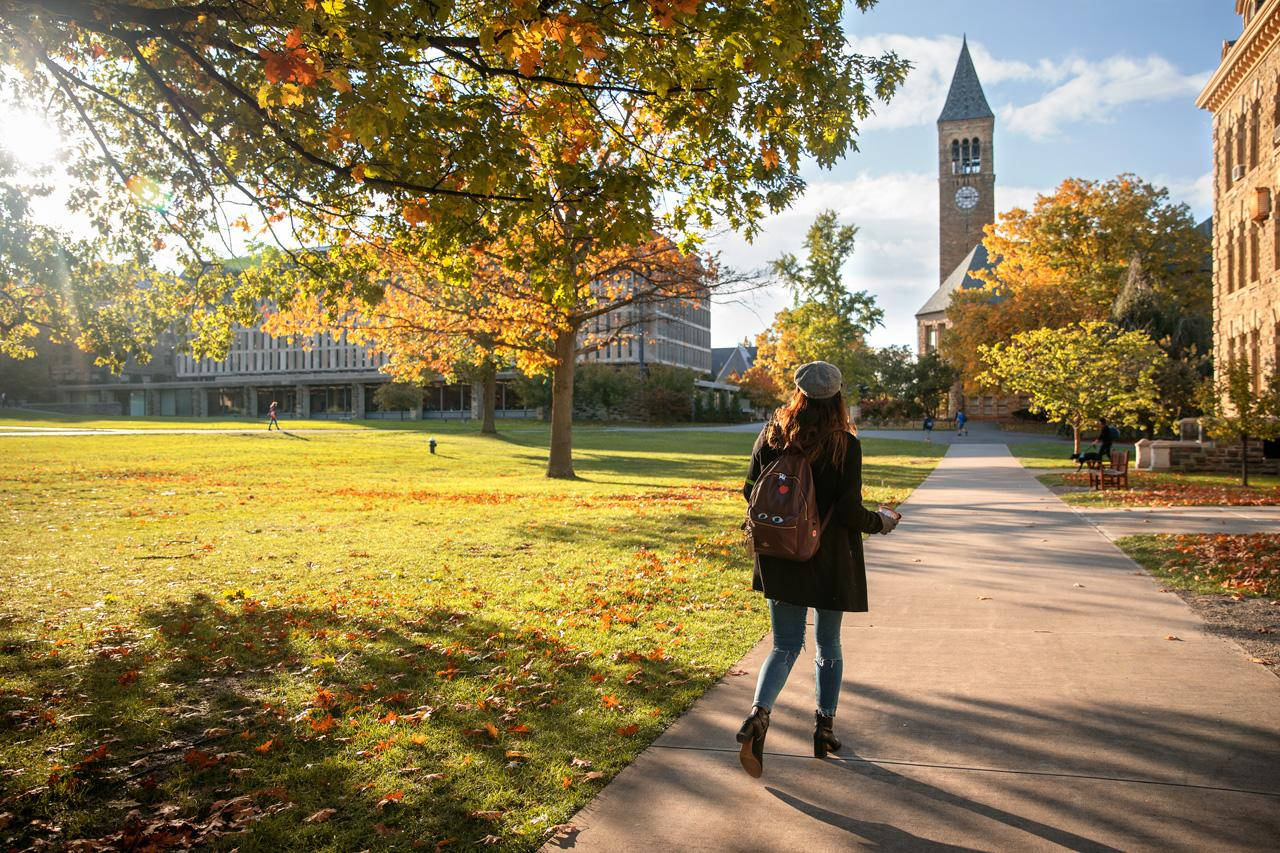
789,654
829,660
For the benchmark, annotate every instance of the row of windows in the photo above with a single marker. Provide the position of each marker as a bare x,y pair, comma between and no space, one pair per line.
966,156
344,357
1244,254
1241,141
1249,346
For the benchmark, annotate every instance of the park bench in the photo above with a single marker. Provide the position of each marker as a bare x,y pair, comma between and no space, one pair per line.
1117,473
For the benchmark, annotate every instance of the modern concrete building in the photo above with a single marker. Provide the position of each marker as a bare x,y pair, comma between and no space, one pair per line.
328,377
1243,95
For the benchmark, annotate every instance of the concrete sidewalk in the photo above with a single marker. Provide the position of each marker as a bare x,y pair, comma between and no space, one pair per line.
1018,685
1115,523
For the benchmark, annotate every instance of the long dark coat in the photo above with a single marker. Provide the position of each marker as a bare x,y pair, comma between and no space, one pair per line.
835,578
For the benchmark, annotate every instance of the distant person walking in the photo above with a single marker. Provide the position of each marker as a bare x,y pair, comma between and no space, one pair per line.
1100,447
961,420
928,427
812,437
272,410
4,399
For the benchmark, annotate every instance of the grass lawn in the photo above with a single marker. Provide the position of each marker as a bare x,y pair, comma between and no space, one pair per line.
336,641
24,419
1164,488
1240,565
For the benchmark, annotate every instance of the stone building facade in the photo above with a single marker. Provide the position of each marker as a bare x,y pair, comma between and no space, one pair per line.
1243,95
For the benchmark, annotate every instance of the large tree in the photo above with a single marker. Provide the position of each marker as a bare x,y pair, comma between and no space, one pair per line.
1079,373
428,323
1067,259
826,321
546,132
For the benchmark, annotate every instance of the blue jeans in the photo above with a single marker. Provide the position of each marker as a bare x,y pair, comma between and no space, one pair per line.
788,641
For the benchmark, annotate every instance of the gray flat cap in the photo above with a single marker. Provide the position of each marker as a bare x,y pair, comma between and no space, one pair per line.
819,380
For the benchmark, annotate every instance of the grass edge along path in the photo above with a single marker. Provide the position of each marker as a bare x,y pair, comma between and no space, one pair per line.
1230,581
342,642
1147,488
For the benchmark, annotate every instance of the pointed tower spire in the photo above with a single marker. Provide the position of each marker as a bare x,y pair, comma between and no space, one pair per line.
965,98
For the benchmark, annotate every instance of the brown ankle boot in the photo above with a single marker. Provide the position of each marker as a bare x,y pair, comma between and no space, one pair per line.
751,736
823,739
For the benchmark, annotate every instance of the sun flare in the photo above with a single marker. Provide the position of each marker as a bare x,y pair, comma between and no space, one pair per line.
29,137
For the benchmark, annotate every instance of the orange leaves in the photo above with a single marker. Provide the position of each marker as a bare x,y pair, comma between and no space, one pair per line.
665,11
265,747
491,730
324,725
610,701
199,759
324,698
394,797
128,677
769,155
628,731
415,213
449,673
294,64
1247,564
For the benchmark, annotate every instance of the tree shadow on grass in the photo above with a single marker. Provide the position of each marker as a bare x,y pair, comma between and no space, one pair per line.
307,706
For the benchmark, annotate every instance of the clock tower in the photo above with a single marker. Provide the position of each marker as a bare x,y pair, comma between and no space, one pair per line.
966,174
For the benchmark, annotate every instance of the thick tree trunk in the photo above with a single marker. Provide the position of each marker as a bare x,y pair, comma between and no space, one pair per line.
490,381
560,460
1244,460
1075,438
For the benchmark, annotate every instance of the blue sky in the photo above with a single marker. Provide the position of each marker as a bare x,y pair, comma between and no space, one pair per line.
1083,88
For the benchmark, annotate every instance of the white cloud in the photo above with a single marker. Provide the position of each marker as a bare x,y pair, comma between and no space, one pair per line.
895,254
920,99
1082,90
1195,192
1095,91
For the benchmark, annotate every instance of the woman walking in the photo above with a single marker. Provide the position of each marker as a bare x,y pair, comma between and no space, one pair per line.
833,581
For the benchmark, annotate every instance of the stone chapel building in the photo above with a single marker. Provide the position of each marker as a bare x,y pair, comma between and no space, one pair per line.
966,204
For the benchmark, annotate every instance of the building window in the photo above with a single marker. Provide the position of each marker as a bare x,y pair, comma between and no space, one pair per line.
955,156
1255,362
1253,253
1243,248
1228,158
1242,132
931,338
1255,128
977,156
1231,262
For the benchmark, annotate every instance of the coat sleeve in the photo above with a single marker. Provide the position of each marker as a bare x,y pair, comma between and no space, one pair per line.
849,510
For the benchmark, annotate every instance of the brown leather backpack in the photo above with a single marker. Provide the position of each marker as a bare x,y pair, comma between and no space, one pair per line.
782,515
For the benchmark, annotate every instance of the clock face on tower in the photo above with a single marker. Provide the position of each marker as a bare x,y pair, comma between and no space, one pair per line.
966,198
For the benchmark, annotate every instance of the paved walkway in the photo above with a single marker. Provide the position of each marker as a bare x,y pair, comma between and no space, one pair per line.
1115,523
1019,685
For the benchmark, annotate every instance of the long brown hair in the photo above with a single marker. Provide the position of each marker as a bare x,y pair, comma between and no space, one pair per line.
817,428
